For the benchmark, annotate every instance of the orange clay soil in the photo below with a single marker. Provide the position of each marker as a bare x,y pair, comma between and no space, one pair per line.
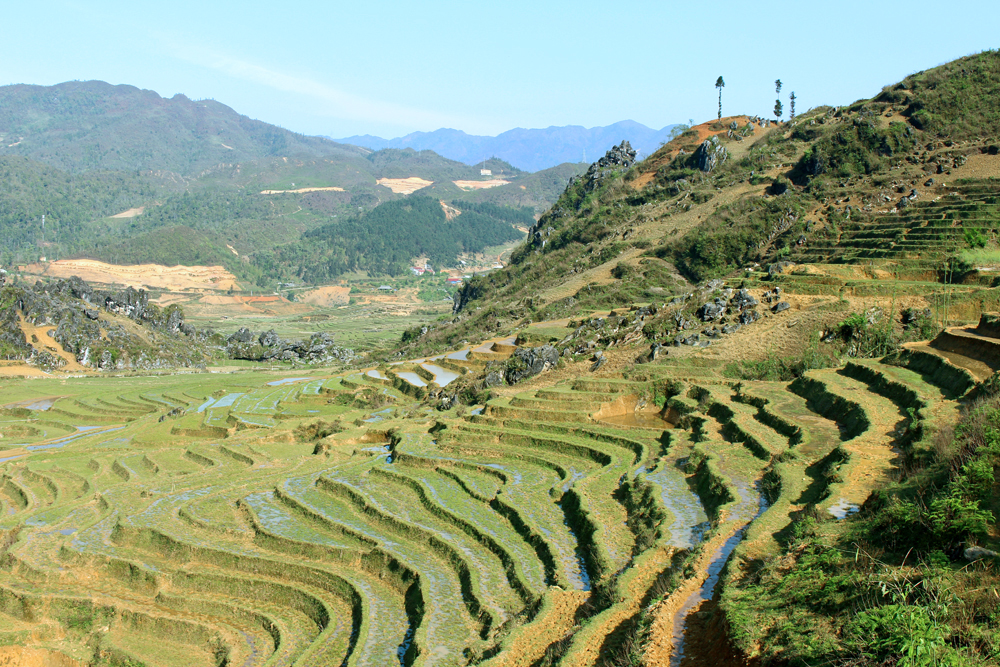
450,212
331,295
481,185
49,344
138,275
130,213
404,186
688,142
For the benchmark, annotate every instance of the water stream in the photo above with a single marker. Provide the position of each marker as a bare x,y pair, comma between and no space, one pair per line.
843,508
584,583
411,630
704,593
284,381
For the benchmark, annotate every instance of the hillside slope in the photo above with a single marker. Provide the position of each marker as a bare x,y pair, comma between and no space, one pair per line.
872,539
849,185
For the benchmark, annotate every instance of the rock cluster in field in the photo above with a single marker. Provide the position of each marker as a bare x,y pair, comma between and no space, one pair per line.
616,160
74,309
528,362
267,346
710,154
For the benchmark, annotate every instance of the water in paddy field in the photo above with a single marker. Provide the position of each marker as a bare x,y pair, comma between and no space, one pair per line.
488,345
690,521
283,381
226,401
43,404
82,431
412,378
843,508
442,376
461,355
377,375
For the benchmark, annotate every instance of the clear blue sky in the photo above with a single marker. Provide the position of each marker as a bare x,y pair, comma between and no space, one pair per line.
388,68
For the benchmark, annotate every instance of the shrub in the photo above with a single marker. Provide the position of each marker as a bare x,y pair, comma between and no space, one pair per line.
868,335
905,632
317,430
623,271
974,237
780,369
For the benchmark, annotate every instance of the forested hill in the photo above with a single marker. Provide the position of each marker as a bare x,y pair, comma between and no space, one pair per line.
384,240
82,125
123,175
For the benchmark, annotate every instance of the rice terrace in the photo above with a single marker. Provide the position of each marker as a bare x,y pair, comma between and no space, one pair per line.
732,403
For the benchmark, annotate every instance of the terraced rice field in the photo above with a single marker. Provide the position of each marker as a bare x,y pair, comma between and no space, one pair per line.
189,520
925,230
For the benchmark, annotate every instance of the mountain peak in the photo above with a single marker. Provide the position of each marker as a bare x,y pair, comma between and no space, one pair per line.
529,149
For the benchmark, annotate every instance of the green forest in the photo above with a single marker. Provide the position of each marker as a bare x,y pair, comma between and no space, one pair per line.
279,238
385,239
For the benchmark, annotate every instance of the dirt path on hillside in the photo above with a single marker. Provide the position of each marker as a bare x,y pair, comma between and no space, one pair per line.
41,334
23,656
689,142
302,191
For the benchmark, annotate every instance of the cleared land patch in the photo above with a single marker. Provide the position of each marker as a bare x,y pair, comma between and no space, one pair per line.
138,275
405,186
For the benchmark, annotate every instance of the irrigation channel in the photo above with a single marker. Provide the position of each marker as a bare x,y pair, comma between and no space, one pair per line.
323,518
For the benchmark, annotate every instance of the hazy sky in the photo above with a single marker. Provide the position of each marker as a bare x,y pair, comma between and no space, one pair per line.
388,68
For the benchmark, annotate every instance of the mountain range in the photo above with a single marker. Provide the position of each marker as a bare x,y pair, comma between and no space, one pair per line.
127,176
82,125
531,150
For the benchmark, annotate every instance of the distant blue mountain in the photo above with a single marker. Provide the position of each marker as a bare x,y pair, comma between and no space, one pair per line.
531,150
